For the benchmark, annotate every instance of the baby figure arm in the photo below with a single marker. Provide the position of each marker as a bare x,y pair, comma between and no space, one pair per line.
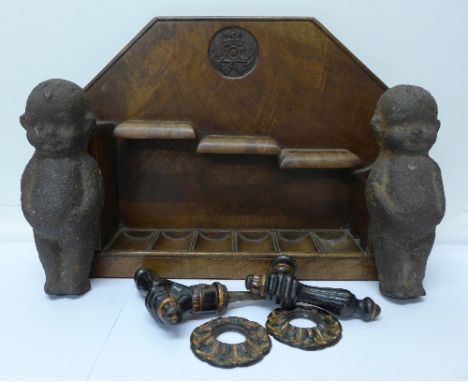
439,191
93,187
377,191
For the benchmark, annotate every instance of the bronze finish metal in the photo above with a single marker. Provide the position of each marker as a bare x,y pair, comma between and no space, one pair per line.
208,348
327,331
281,286
168,301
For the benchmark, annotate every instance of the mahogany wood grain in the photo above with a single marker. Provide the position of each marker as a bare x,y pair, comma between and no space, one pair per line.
238,144
154,130
316,158
306,91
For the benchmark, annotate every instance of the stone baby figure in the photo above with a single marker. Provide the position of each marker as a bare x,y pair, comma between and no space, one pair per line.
404,192
62,188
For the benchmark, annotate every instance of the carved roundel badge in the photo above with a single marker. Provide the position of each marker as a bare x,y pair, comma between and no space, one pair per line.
233,52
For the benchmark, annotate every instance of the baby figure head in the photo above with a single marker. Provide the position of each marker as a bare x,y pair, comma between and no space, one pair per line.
406,120
58,119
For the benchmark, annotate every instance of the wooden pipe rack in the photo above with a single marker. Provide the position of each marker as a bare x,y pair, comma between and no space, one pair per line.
215,159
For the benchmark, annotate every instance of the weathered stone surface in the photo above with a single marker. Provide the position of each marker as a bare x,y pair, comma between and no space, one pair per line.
61,187
404,192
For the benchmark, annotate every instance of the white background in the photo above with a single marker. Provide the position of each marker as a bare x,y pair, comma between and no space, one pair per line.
416,42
